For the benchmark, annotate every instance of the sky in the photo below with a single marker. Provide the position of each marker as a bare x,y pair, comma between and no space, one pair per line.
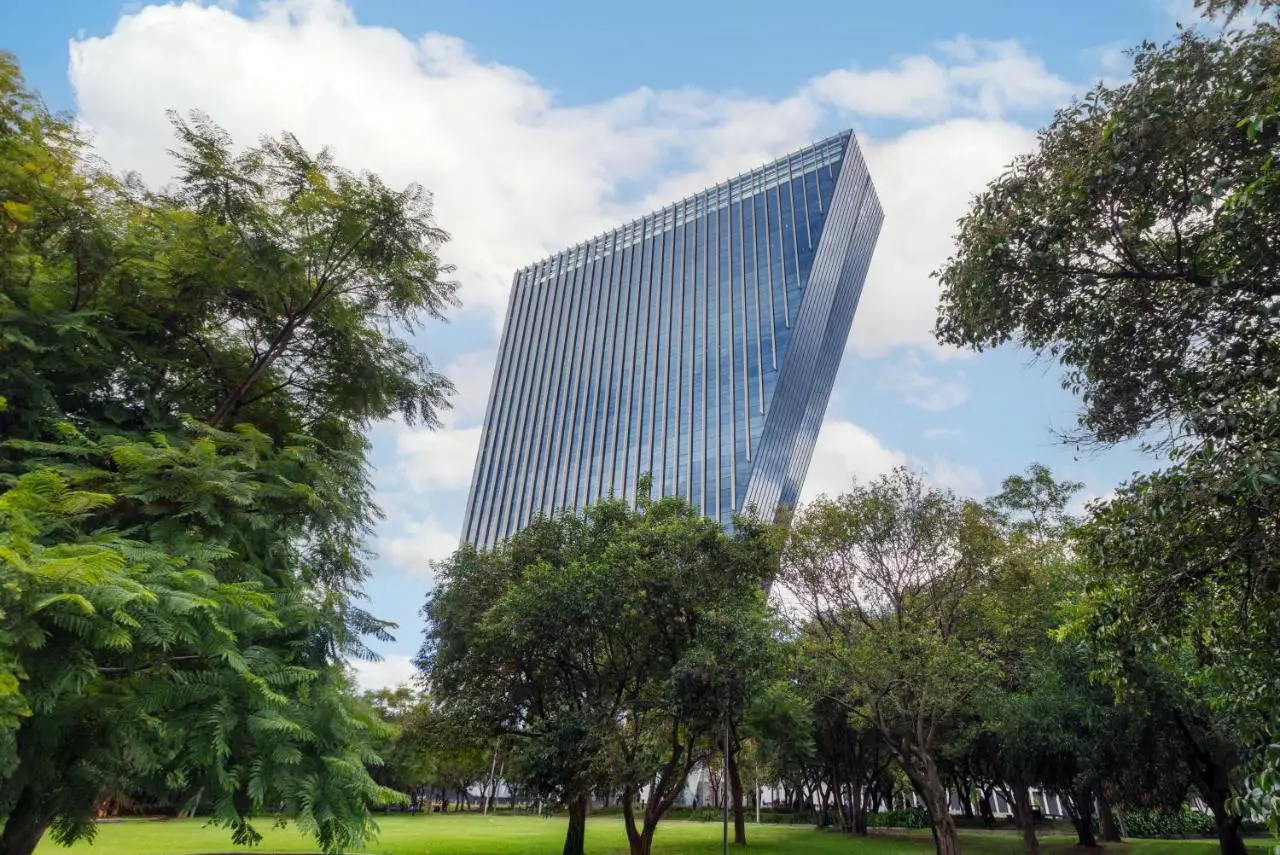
536,125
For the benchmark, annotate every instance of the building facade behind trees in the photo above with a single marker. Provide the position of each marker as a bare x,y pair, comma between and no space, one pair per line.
698,345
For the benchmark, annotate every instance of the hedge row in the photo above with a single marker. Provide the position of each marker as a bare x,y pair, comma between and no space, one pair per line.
912,818
1151,823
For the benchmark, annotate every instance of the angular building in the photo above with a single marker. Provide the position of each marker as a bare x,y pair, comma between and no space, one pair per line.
698,344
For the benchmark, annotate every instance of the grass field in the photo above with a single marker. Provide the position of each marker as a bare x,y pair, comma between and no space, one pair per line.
521,835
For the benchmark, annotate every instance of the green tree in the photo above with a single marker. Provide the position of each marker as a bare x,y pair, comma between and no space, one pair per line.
1119,248
427,752
512,645
890,581
1034,572
208,360
609,647
1138,247
780,720
141,664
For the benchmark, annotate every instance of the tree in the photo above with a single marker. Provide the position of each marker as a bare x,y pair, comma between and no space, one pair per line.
1121,247
608,647
1138,247
428,752
780,720
889,578
1033,573
208,360
511,644
141,664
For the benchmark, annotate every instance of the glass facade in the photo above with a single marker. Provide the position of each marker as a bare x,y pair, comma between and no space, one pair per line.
698,344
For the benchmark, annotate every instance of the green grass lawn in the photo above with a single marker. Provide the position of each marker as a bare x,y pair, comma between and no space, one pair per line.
522,835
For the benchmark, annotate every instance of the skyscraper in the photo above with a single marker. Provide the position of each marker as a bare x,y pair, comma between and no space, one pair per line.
698,344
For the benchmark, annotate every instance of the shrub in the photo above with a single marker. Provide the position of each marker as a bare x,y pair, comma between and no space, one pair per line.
1152,823
912,818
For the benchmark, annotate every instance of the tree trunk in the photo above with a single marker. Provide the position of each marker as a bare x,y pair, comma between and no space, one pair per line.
984,808
844,799
1110,832
1082,817
824,809
640,838
1228,826
25,825
1229,840
1025,820
643,845
735,793
575,839
486,797
945,839
859,798
1211,770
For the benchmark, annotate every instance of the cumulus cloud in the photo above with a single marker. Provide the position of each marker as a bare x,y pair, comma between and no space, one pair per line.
1112,62
1085,500
846,452
471,374
1185,13
436,459
417,546
949,475
516,175
430,460
971,75
443,459
926,179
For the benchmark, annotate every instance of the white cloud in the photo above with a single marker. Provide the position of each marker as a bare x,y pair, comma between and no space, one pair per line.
983,77
513,177
417,546
926,179
1184,12
846,452
436,459
1080,506
516,175
444,458
390,672
922,389
1179,11
471,374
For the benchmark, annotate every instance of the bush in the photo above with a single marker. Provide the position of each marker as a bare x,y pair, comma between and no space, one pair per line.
913,818
1184,823
714,814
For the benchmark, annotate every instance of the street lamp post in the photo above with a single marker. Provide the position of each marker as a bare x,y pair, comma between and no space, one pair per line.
724,791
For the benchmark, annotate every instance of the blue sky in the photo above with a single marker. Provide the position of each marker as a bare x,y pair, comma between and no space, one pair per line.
539,124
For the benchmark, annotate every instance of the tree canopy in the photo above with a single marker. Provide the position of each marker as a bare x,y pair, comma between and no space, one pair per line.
1138,247
609,648
187,378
